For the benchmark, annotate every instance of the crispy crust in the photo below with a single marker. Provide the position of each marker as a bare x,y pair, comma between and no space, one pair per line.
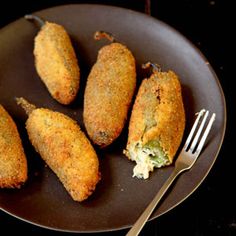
13,163
108,94
56,62
158,113
66,150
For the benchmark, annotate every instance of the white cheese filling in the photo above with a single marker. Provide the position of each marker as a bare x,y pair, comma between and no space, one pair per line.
146,159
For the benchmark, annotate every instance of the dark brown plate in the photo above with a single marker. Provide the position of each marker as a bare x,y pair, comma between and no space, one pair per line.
119,199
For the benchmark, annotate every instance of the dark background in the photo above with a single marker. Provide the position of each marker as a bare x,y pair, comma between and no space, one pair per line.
210,25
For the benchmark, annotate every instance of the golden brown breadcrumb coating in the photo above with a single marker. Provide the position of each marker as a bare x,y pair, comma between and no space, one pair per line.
56,62
108,94
13,163
66,150
157,120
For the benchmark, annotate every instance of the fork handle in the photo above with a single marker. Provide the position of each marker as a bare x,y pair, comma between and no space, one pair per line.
137,227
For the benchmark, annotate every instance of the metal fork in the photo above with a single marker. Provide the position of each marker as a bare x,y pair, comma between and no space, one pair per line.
185,161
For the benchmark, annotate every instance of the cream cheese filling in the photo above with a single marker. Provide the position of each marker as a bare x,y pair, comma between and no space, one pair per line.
147,157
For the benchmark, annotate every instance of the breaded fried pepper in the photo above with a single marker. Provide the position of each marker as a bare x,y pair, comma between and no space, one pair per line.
65,149
109,91
13,163
157,123
55,61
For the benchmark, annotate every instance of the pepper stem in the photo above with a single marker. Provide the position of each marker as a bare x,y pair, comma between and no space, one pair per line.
37,19
102,34
155,67
28,107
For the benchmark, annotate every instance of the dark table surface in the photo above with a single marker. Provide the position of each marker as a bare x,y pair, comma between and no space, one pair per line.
210,210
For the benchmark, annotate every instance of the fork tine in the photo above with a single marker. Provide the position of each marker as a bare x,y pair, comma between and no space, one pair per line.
196,138
203,139
200,114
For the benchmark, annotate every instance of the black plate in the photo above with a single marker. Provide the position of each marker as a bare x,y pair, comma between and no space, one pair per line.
119,199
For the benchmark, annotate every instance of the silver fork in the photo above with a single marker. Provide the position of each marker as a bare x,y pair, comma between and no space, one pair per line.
185,161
